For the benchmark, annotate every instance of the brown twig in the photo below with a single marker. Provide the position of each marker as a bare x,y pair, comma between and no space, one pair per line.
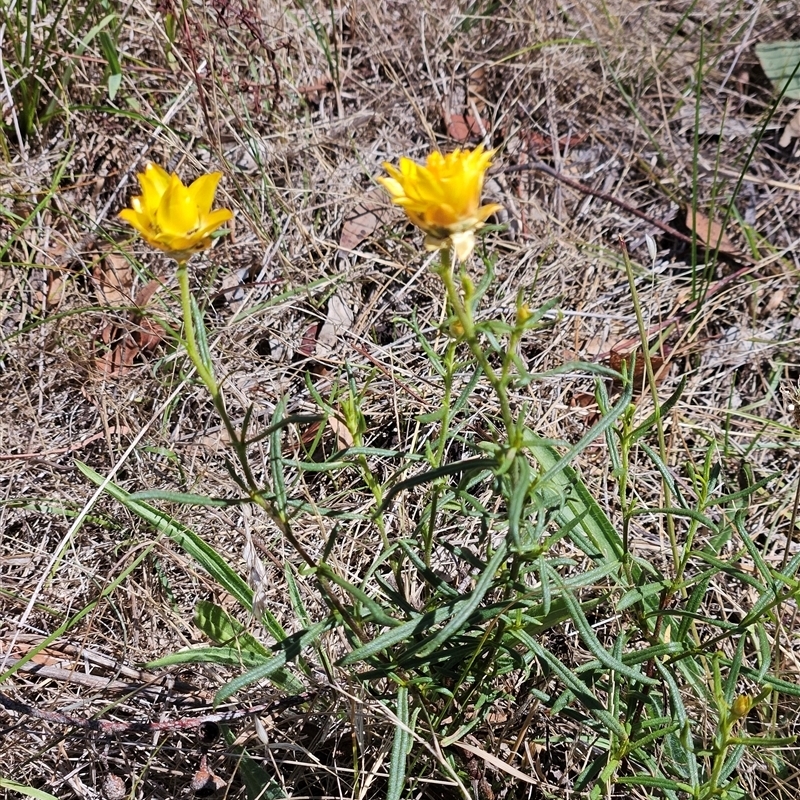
540,166
143,726
62,450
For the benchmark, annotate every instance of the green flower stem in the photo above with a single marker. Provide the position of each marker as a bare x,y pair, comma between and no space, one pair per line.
449,363
464,315
206,375
192,350
463,310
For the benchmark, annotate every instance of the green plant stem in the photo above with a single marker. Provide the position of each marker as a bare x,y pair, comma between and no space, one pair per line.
464,315
463,308
192,350
651,379
206,375
449,363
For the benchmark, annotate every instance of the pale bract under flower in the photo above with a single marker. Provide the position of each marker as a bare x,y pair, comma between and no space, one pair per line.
443,196
172,217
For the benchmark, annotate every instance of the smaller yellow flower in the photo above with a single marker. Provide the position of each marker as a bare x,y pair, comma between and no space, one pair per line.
172,217
443,197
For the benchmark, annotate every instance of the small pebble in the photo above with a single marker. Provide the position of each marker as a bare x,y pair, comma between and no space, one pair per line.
114,787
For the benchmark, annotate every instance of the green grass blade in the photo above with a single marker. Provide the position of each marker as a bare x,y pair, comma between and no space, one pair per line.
28,791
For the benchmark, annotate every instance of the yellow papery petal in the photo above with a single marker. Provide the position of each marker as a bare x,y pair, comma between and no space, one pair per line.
407,168
158,176
392,186
393,172
177,214
213,221
154,182
135,218
484,212
203,190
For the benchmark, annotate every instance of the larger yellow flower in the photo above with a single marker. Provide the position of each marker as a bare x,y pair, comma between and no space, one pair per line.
443,197
172,217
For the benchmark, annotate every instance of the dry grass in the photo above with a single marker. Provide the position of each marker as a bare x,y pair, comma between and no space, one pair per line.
299,105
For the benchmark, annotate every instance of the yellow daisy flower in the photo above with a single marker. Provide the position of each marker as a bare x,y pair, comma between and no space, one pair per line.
172,217
443,197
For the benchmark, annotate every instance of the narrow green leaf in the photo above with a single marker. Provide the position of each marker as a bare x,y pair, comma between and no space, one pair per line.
84,43
732,678
433,416
288,650
679,710
276,460
482,586
110,52
689,513
640,593
655,782
201,335
666,474
632,657
579,689
668,405
298,606
113,83
441,586
185,499
285,422
521,474
258,783
378,614
205,555
579,507
399,634
468,465
29,791
229,656
653,736
400,748
222,629
596,648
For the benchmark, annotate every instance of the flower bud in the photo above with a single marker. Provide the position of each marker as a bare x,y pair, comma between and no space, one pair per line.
741,706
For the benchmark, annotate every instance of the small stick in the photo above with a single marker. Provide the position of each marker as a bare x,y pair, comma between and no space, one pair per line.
142,726
540,166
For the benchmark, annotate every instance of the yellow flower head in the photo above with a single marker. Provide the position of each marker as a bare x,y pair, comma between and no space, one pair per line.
172,217
443,197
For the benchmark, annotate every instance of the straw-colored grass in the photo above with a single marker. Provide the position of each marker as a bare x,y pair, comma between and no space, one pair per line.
321,302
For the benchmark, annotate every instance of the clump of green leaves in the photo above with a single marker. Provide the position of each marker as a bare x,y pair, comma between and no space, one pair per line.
543,557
